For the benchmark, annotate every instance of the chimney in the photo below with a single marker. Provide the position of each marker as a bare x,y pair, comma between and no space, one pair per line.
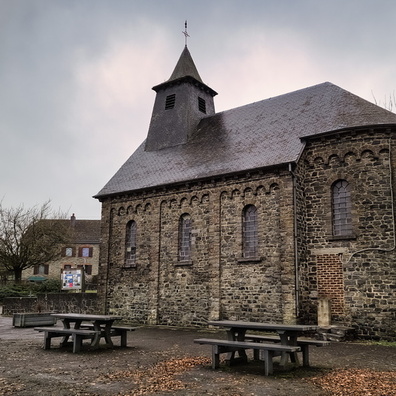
73,220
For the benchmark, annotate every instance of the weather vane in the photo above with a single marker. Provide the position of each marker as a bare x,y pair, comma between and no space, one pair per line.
185,33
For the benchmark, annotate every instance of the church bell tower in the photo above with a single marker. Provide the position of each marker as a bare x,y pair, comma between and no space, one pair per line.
181,102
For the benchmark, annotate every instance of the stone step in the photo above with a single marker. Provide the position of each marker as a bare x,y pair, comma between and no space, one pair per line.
336,333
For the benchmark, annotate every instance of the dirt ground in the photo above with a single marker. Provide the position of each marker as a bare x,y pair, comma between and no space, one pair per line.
165,361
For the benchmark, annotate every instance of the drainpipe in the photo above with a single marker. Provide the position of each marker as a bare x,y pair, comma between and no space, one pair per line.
296,271
108,258
158,291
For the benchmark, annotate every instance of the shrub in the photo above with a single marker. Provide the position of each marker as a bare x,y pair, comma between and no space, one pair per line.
14,290
48,286
30,289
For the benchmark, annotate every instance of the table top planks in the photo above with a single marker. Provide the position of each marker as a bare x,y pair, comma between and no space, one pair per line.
260,326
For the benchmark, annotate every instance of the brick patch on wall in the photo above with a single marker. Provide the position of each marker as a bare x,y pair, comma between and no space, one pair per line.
330,281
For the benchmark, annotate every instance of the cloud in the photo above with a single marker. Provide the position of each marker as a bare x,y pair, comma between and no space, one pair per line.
113,101
261,71
76,76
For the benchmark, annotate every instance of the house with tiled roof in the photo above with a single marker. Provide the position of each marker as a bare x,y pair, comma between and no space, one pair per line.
82,252
263,212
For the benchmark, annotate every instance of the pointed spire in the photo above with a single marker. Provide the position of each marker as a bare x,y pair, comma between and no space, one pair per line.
185,67
185,72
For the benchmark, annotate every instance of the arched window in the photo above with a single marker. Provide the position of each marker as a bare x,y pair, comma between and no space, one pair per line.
185,237
249,232
130,244
341,208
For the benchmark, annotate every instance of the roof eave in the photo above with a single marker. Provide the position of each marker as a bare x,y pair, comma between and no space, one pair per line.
102,197
346,130
185,79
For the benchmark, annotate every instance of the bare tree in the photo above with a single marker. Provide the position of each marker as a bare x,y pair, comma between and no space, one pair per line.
28,237
388,103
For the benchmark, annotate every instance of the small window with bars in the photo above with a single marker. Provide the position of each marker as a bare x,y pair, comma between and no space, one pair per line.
130,244
342,208
249,232
185,238
202,105
170,102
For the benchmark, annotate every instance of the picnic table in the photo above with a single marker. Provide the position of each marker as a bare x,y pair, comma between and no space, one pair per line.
286,343
85,326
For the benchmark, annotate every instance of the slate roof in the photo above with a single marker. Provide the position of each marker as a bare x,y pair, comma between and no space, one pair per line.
87,231
257,135
83,231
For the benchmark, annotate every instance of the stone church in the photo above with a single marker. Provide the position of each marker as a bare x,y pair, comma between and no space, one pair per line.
256,213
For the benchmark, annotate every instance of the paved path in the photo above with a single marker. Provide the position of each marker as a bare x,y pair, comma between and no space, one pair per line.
27,369
9,332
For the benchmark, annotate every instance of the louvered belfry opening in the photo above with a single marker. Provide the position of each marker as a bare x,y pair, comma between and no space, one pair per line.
201,105
170,102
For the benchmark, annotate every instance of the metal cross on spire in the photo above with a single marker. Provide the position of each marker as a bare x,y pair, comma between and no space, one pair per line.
185,33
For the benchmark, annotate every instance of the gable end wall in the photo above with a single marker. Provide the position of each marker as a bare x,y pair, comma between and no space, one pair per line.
357,273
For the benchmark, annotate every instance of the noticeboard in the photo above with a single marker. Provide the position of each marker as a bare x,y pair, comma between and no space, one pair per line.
73,279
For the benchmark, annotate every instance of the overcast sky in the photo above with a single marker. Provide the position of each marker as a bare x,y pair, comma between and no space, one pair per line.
76,75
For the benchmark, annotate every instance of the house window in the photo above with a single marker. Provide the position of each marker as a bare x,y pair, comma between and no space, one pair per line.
341,208
170,102
249,232
41,269
67,267
185,238
68,252
85,252
130,244
202,105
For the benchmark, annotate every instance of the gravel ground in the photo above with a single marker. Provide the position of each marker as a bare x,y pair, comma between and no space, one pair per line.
165,361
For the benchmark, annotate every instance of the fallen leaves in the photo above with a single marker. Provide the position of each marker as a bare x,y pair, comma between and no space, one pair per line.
9,388
162,377
159,377
357,382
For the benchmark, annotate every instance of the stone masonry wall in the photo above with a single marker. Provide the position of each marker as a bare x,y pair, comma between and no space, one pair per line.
253,289
217,282
366,159
55,302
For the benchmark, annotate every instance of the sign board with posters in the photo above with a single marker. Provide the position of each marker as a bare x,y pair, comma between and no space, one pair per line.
73,279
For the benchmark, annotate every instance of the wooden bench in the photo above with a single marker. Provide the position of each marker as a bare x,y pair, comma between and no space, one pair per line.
115,331
122,332
77,336
226,346
303,343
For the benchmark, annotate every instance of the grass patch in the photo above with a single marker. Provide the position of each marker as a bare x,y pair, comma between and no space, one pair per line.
380,343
